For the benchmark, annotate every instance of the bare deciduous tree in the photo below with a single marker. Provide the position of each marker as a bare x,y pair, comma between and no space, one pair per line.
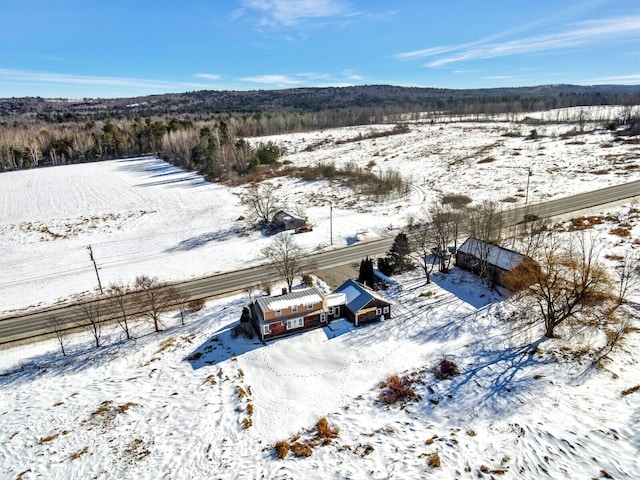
260,202
59,328
118,294
627,275
285,257
92,315
570,281
485,224
423,242
154,298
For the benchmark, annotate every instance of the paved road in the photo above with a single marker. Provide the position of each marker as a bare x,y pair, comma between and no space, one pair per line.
38,323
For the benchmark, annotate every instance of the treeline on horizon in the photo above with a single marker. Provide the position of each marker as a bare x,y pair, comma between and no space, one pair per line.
214,143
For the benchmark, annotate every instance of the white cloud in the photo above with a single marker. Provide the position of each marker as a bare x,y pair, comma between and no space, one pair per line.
208,76
290,12
8,75
272,79
626,79
585,33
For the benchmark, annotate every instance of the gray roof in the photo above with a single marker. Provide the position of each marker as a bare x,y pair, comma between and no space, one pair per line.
358,295
493,254
297,297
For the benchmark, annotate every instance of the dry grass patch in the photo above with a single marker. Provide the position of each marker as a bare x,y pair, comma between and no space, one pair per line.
79,453
396,389
631,390
282,449
326,432
445,369
301,449
106,412
620,231
166,344
48,438
433,460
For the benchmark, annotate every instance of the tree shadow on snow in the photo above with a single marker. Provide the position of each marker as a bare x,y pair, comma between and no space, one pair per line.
499,383
204,239
160,173
224,344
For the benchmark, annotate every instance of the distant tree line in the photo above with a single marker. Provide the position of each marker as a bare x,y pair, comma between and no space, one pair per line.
206,131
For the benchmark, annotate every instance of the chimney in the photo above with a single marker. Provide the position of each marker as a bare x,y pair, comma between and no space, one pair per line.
284,291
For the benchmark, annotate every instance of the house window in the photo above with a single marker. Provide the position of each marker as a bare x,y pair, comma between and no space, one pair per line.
378,311
385,309
266,330
278,313
295,323
335,311
294,309
310,306
323,317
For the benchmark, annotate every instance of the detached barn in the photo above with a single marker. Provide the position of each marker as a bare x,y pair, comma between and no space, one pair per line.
363,305
288,221
504,267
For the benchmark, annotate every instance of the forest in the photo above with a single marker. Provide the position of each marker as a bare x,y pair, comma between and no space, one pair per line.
206,131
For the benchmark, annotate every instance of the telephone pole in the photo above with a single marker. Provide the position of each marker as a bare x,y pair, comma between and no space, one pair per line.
95,267
331,222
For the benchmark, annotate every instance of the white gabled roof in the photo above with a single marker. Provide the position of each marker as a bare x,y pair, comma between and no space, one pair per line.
298,297
493,254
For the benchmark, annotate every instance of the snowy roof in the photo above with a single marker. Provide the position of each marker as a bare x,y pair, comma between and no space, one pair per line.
358,295
298,297
493,254
336,299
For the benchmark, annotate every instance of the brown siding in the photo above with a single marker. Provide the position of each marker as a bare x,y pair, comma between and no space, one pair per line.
279,329
287,312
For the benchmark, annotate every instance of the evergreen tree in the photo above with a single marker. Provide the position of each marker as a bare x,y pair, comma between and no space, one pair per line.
366,275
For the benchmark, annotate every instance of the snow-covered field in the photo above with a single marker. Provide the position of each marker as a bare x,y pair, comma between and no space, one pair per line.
143,216
172,405
194,401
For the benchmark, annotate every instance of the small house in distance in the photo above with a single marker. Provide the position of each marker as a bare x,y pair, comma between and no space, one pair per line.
288,221
363,305
290,313
511,270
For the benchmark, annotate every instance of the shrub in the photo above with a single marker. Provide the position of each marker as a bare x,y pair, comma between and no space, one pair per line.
324,431
631,390
456,201
445,369
301,449
307,280
282,449
196,304
396,389
433,460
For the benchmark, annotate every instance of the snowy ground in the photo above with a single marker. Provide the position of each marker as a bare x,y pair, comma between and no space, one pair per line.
143,216
175,404
172,405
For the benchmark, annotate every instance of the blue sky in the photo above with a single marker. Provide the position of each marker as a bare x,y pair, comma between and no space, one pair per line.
118,48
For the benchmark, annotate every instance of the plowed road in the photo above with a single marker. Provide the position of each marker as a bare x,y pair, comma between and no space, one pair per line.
21,327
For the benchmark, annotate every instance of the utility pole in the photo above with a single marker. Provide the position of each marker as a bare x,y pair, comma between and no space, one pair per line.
95,267
526,196
331,222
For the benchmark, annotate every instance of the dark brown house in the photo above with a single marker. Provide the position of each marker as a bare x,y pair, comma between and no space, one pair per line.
363,305
290,313
504,267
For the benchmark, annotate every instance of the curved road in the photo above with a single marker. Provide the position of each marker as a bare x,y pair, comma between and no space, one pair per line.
22,327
